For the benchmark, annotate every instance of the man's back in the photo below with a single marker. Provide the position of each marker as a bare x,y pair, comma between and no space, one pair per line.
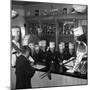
24,72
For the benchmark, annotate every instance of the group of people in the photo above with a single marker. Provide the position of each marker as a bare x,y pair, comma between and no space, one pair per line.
69,55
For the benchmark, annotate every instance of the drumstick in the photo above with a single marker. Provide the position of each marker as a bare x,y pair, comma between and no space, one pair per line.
44,74
69,61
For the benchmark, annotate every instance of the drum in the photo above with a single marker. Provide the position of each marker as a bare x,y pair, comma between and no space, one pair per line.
83,67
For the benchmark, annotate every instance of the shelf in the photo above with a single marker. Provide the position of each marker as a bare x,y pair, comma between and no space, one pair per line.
68,16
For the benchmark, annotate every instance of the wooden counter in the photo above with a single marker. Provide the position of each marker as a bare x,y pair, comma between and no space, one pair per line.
57,80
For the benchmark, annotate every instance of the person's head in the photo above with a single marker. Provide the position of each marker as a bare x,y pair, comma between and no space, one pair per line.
36,48
25,51
61,47
71,46
52,46
16,33
64,10
42,45
25,40
31,45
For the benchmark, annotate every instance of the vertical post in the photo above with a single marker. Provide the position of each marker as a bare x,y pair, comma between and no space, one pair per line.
27,23
56,34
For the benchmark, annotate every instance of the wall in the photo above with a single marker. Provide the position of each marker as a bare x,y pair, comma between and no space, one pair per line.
30,8
19,21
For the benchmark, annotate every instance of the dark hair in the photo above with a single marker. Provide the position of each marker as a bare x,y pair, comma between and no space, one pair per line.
24,49
65,9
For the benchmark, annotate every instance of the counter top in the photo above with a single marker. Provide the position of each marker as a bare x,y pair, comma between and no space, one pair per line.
76,74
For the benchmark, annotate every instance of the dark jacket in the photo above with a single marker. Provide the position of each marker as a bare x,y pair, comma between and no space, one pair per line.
43,56
67,54
51,60
24,73
37,57
60,56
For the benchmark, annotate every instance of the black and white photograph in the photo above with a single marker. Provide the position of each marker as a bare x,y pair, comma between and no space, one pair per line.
49,44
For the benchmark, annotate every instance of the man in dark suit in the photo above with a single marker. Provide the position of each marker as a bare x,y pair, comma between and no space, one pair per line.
24,71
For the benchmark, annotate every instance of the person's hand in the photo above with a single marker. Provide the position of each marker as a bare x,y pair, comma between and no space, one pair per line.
64,61
70,71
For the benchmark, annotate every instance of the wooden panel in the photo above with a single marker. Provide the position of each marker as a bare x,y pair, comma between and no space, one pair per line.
57,80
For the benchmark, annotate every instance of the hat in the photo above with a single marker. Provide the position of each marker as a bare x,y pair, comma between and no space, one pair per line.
78,31
52,44
42,43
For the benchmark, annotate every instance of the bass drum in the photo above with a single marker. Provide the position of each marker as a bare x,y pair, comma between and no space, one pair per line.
83,67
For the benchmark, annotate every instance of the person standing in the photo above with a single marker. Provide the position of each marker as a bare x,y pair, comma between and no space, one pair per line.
15,45
24,71
15,52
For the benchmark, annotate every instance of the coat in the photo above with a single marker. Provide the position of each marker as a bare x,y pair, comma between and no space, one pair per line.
24,73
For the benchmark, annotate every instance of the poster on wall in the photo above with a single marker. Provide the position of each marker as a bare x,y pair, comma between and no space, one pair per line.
49,46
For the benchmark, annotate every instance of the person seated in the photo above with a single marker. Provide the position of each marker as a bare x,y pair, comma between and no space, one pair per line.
80,54
37,54
43,52
60,56
32,51
81,48
60,53
51,56
69,56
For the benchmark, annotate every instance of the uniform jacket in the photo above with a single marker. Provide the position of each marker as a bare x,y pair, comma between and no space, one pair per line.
24,73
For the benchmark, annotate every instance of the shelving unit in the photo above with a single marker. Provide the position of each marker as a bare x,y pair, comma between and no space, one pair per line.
55,34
